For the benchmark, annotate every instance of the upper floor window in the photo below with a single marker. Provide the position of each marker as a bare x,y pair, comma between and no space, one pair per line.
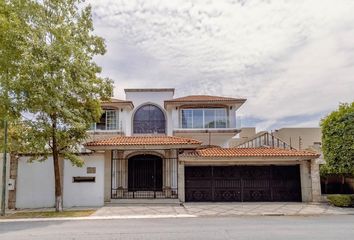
149,119
204,118
108,121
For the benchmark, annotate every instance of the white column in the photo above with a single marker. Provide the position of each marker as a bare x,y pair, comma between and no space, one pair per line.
167,173
107,175
181,194
316,181
305,178
121,174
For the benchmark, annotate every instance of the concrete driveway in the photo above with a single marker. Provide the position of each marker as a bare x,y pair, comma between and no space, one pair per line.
223,209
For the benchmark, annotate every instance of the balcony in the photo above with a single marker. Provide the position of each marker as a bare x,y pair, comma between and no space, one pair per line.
264,139
206,130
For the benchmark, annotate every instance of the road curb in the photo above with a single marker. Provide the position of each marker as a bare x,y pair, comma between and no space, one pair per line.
127,217
97,218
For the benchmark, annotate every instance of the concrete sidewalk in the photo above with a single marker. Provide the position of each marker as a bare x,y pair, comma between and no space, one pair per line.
192,210
224,209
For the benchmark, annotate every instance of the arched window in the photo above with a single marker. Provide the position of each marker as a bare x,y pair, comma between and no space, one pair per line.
149,119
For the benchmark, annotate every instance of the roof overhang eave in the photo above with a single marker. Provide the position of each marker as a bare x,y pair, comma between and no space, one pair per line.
143,147
177,103
245,159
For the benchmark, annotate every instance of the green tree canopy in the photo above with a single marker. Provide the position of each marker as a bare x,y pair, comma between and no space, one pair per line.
13,45
338,141
55,80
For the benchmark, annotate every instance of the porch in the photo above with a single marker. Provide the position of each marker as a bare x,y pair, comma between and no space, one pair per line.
144,174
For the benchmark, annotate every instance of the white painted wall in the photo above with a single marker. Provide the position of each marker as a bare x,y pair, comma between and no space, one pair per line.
175,117
7,176
158,98
218,139
142,98
232,117
308,136
84,194
35,184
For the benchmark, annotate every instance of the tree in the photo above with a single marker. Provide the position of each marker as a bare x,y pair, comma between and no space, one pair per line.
13,44
338,141
59,82
13,32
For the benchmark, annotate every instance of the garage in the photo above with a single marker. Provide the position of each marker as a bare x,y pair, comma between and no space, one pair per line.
242,183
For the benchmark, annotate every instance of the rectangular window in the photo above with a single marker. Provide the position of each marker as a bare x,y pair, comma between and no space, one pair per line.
204,118
187,118
220,118
198,121
111,120
209,118
101,125
108,121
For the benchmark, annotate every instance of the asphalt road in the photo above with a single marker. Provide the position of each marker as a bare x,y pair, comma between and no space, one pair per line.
215,228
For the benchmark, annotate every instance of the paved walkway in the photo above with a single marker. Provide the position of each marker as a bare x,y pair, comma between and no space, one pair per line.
222,209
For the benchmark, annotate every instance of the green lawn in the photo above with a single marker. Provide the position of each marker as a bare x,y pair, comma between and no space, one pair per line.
49,214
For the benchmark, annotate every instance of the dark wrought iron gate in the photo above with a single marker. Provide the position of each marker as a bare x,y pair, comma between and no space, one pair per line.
243,183
145,173
143,176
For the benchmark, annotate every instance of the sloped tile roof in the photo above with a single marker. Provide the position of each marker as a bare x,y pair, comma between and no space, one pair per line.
204,98
115,100
250,152
143,140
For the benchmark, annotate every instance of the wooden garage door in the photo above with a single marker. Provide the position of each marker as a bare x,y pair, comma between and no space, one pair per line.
243,183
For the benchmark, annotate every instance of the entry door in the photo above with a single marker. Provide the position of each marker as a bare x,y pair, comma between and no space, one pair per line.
145,173
243,183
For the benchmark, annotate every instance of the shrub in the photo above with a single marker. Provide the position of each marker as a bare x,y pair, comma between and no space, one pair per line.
341,200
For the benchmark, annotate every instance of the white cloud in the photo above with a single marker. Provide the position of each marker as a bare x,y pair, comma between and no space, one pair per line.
289,58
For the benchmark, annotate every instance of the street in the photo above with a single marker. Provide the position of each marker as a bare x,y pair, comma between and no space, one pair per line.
250,227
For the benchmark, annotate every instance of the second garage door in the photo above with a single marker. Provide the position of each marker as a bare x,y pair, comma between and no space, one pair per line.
242,183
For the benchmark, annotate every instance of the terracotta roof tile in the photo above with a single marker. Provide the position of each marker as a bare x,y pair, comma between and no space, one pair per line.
115,100
205,98
249,152
143,140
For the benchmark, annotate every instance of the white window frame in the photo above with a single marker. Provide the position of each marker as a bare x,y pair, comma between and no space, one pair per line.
203,110
106,121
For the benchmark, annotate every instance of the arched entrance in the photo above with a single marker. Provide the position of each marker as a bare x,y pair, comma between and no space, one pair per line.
145,173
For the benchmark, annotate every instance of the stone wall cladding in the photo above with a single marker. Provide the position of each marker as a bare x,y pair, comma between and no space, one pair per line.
13,175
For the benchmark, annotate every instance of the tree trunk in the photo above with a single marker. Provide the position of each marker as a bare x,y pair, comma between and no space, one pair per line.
58,191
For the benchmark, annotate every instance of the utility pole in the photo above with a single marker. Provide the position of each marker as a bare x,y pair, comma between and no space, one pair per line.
3,200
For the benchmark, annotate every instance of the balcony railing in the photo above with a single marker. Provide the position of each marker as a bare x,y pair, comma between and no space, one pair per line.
264,140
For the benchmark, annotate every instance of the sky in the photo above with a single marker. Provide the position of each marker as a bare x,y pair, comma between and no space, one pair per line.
292,60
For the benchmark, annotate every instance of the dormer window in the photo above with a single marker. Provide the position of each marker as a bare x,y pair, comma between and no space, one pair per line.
108,121
204,118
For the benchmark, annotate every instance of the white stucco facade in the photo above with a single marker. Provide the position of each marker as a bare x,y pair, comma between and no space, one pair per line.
35,184
105,174
84,194
140,98
157,97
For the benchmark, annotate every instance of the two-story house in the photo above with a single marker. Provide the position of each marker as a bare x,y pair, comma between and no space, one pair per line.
154,146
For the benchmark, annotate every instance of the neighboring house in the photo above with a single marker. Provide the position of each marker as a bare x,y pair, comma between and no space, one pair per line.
298,138
154,146
301,138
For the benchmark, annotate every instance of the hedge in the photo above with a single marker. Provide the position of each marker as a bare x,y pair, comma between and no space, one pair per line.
340,200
